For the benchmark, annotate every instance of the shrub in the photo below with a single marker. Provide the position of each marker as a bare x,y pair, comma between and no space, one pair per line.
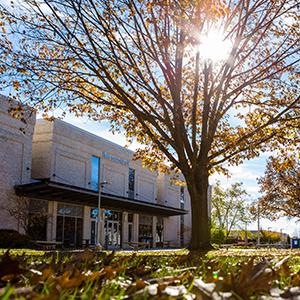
10,238
217,236
231,240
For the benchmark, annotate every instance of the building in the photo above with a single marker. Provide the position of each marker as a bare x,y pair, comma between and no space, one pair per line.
55,169
15,162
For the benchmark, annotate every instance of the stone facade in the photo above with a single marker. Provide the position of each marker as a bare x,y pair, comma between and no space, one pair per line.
15,161
62,152
177,228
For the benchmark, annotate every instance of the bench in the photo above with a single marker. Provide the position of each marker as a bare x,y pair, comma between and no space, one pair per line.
137,245
166,244
163,244
48,245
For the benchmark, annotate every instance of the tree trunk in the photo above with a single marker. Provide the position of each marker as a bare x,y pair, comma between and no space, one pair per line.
198,190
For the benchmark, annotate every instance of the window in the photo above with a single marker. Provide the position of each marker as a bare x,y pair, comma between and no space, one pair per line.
181,231
111,215
145,229
130,218
37,219
131,179
130,227
182,217
160,230
181,197
95,174
69,210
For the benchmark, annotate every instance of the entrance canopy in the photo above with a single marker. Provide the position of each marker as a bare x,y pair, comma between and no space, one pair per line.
55,191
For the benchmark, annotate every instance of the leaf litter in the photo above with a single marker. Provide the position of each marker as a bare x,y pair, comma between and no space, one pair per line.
103,275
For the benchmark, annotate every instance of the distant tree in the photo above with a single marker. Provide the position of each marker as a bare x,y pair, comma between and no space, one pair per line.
270,237
229,208
141,65
281,187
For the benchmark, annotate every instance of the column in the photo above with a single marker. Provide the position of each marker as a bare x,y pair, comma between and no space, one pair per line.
86,235
51,221
124,227
135,227
154,221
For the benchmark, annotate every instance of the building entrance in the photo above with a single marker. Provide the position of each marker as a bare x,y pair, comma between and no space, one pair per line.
112,229
113,235
145,229
69,225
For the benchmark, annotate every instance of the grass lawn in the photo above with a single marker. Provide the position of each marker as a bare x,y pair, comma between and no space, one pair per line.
178,274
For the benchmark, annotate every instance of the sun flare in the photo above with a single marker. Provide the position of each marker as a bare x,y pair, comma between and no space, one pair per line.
213,46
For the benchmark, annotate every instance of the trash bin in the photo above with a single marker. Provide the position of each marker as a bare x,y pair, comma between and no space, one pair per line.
295,243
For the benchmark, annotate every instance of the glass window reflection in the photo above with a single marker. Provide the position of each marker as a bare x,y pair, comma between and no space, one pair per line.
95,162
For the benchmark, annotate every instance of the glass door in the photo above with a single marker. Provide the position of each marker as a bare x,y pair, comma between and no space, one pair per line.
69,226
130,232
145,229
116,234
112,234
112,229
69,231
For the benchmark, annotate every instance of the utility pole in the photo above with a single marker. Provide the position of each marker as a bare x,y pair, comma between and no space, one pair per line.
98,244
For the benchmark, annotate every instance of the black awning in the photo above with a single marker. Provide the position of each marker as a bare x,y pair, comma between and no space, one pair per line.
56,191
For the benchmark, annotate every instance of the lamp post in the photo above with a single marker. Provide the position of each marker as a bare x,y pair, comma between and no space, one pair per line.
98,244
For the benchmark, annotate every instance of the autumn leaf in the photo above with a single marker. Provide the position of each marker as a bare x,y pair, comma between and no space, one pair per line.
9,267
16,85
70,279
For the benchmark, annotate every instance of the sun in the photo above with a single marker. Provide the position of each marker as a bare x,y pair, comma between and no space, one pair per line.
214,46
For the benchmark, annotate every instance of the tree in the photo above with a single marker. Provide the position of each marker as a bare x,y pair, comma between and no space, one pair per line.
18,209
270,237
281,187
31,216
229,209
141,65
